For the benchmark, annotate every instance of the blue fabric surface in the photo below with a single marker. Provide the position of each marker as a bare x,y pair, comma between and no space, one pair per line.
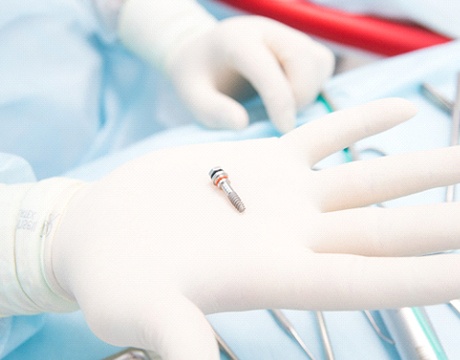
70,92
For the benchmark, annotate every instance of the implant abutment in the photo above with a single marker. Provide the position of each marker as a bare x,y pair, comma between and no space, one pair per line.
220,179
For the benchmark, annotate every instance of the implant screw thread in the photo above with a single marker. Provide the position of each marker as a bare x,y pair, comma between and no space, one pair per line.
232,195
220,178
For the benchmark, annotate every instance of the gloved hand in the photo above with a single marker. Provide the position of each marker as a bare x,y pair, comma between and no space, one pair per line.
149,249
284,66
213,63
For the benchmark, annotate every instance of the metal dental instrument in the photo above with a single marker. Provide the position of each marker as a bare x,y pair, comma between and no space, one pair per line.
376,328
452,108
450,190
287,326
131,354
413,334
224,347
324,335
139,354
436,97
220,178
454,133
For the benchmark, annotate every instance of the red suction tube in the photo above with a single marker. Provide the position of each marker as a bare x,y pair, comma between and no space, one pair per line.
380,36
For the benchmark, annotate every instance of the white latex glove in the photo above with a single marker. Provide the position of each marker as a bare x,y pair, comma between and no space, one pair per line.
149,249
211,63
284,66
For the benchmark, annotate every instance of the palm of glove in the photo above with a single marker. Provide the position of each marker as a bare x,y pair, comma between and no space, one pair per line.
148,249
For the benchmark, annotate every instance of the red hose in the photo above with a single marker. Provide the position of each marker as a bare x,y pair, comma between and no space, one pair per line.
373,34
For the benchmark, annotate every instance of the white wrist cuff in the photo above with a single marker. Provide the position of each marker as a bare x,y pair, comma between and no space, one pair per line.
155,29
29,214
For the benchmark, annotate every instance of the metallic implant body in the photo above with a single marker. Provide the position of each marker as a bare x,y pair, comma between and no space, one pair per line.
220,178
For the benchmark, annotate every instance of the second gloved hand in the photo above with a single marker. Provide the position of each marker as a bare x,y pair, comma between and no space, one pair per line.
285,67
213,64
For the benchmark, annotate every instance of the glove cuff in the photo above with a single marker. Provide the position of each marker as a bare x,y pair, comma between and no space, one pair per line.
156,30
29,214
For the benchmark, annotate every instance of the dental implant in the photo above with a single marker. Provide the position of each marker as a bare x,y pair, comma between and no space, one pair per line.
220,178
